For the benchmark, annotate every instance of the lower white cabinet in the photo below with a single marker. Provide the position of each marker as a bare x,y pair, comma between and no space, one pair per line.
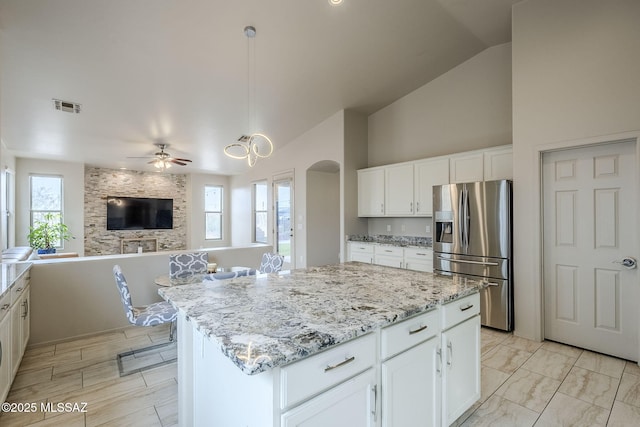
352,403
390,256
20,325
419,259
361,252
5,355
411,387
461,360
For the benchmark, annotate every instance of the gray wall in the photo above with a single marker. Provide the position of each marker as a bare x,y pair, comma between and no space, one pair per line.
575,80
76,297
467,108
323,217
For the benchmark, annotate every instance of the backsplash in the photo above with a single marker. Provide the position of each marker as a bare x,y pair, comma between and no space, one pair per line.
392,240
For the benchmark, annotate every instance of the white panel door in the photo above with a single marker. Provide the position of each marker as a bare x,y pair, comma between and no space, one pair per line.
590,208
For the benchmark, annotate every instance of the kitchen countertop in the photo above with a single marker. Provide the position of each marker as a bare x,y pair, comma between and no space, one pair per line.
11,272
402,241
269,320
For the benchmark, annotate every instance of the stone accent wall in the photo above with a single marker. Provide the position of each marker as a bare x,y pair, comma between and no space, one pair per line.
100,183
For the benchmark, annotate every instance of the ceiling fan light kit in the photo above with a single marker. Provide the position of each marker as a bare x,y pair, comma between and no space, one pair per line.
256,145
163,160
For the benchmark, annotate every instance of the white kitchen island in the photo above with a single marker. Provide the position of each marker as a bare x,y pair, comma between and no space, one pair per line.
343,345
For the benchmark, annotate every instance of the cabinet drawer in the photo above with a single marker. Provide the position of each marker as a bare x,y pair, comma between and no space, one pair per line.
310,376
419,253
460,310
17,289
399,337
364,248
390,251
5,304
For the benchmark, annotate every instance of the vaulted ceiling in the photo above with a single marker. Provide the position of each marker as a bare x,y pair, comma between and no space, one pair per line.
175,71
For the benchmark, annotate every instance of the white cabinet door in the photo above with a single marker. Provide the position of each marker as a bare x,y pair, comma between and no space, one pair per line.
352,403
5,357
498,163
398,190
17,311
428,173
461,369
362,252
371,192
26,322
411,387
467,167
390,256
418,259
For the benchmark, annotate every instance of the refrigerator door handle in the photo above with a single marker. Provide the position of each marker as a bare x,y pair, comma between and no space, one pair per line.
461,218
465,261
467,217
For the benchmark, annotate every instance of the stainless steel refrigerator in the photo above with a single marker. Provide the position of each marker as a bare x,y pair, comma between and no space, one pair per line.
472,225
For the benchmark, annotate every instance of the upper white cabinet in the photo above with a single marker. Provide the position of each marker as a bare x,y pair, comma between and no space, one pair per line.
466,167
405,189
428,173
371,192
498,163
398,189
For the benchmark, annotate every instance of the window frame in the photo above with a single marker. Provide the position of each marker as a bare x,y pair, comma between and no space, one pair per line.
255,211
219,213
59,213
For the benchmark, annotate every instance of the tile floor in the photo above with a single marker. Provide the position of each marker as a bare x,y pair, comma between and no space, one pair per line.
86,370
524,383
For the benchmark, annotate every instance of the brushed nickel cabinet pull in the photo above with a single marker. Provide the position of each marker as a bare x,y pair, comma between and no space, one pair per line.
467,307
420,329
337,365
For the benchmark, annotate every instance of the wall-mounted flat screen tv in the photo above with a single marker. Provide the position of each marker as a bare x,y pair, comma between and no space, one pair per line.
136,213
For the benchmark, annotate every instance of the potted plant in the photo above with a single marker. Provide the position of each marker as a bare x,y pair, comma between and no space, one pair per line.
46,233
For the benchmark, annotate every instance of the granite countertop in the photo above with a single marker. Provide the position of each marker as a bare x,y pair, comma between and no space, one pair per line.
403,241
11,272
269,320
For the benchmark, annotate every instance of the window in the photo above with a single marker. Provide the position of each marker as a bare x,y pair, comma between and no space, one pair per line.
260,212
213,212
46,199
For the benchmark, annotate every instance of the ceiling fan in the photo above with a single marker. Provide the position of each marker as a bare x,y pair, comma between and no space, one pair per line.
163,160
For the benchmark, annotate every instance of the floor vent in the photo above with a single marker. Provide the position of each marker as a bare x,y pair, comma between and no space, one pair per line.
66,106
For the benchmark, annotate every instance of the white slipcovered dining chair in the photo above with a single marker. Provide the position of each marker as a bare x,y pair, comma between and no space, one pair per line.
271,263
151,315
187,264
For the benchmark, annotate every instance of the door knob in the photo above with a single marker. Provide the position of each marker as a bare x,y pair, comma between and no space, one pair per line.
627,262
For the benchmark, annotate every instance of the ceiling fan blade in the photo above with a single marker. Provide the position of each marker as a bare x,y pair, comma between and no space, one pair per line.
181,160
152,161
140,157
177,162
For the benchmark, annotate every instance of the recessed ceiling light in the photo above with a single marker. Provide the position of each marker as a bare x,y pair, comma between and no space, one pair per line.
335,2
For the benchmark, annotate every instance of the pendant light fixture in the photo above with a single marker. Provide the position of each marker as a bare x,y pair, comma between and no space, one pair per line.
256,144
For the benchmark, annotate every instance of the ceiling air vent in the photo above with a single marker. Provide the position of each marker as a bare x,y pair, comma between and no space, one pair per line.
66,106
